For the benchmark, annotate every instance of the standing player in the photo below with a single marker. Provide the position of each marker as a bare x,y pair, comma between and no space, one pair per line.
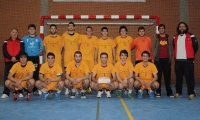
11,49
103,70
70,43
33,47
21,77
54,43
124,73
146,76
87,48
123,42
50,77
142,43
162,50
106,45
77,74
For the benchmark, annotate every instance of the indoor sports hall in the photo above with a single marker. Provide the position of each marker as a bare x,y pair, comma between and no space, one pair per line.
97,14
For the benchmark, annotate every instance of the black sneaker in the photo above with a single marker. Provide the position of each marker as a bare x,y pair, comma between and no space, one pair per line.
158,95
73,94
83,95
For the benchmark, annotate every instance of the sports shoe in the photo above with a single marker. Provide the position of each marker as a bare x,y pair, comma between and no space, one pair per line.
89,90
125,92
77,92
140,92
192,96
99,94
118,93
73,94
151,94
171,95
15,96
44,95
158,95
177,95
36,93
4,96
83,95
130,95
57,96
20,95
108,93
66,91
28,97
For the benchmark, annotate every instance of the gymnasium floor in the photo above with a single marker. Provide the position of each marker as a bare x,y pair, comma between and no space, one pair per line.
114,108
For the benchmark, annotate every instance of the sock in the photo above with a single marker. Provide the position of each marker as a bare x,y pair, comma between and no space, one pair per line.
83,91
44,91
73,90
58,91
140,90
129,91
28,92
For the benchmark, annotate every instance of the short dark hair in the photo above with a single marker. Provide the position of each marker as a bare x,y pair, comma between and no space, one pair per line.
104,53
78,52
71,23
161,25
31,26
50,54
141,28
23,54
145,52
177,29
89,27
53,25
123,27
123,51
104,28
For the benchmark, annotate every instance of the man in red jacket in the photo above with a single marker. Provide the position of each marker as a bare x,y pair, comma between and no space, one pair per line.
11,50
185,47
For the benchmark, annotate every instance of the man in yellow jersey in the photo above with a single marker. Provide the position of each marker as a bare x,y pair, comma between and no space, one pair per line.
54,43
21,77
124,73
77,75
70,43
87,48
107,45
146,76
50,77
123,42
141,43
70,39
103,71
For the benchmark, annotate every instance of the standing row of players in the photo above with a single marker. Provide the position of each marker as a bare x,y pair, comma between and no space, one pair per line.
87,44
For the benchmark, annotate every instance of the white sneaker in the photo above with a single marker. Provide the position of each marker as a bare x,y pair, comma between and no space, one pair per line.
66,91
99,94
20,95
108,94
40,92
4,96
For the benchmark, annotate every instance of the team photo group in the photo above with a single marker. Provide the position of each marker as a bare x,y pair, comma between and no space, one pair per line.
98,64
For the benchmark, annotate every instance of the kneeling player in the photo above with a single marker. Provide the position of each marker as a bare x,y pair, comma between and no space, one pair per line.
103,76
21,77
50,77
146,76
77,75
124,74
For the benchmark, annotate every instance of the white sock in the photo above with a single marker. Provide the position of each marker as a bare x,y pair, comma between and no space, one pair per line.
140,90
73,90
82,91
44,91
129,91
58,91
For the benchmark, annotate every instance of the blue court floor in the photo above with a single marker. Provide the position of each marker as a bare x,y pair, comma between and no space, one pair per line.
114,108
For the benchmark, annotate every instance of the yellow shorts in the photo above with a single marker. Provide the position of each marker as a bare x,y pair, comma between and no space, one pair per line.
23,84
51,86
90,64
143,87
103,86
78,86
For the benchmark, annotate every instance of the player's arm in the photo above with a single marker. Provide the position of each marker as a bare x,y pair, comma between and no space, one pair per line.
138,78
114,56
58,78
79,46
94,77
61,49
41,77
84,77
155,77
68,76
113,77
118,77
130,75
96,55
30,75
10,77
